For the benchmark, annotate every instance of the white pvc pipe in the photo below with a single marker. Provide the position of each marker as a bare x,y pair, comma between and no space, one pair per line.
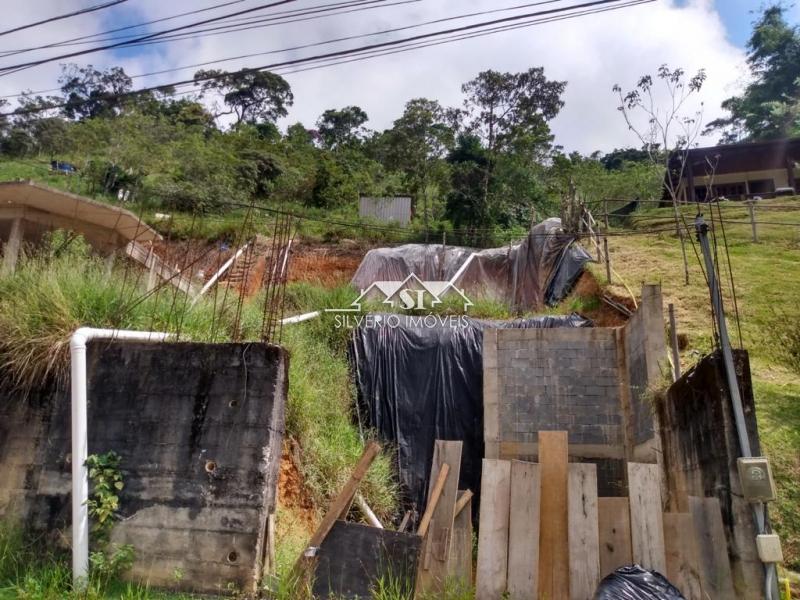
80,444
300,318
461,269
219,273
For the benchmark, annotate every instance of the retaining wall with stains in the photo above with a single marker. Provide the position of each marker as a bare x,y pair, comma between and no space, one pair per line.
199,428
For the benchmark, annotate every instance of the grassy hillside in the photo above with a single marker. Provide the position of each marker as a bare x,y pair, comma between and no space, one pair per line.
767,282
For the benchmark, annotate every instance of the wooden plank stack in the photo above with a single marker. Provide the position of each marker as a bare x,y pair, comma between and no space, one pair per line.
545,534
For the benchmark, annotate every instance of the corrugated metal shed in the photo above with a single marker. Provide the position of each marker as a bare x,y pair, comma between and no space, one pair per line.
388,209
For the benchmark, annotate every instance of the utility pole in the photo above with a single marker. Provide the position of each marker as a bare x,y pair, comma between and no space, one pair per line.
771,583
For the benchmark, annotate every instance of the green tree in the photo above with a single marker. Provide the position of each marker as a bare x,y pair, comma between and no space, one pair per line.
416,145
769,107
509,112
250,96
340,128
89,93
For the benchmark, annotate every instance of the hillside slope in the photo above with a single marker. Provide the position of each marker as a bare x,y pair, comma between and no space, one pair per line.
767,283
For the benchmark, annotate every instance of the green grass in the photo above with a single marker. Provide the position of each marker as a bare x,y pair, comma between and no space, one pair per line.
63,287
767,278
30,570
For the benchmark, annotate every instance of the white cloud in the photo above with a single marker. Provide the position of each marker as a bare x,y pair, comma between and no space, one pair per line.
591,53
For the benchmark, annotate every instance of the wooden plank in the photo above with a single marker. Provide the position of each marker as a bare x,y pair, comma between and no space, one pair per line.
553,530
584,534
523,531
715,566
683,559
446,456
433,500
647,529
459,562
492,565
614,520
464,498
344,498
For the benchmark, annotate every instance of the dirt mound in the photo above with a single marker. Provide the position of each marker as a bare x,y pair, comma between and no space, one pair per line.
590,292
328,265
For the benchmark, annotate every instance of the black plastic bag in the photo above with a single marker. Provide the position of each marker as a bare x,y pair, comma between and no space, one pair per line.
635,583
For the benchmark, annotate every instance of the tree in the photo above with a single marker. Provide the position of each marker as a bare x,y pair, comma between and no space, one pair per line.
618,157
340,128
769,106
250,96
89,93
510,111
416,145
667,132
465,204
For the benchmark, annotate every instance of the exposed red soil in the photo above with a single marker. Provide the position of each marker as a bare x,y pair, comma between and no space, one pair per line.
292,493
328,265
603,315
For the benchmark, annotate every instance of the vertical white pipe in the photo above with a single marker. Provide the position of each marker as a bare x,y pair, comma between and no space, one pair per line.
80,449
80,438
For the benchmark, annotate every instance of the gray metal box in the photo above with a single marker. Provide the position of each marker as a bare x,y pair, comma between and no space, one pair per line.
756,477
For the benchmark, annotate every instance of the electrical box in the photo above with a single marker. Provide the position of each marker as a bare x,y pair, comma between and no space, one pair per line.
769,548
756,477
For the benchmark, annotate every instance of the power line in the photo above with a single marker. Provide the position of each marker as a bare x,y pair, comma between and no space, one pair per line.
156,34
367,48
254,24
118,29
317,44
251,22
76,13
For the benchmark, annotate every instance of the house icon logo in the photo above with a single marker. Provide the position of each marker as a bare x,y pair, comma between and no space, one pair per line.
409,294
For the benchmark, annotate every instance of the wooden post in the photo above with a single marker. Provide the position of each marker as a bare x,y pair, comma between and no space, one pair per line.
673,334
553,580
12,246
608,259
751,208
605,213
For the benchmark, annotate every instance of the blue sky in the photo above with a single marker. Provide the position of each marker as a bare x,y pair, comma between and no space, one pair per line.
738,16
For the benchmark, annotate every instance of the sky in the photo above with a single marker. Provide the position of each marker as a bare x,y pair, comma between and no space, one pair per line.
591,53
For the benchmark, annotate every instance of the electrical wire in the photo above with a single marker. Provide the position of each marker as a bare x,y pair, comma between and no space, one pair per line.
242,56
20,66
4,53
366,35
83,11
343,54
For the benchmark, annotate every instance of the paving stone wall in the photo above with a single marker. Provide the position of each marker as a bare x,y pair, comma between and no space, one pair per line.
561,379
591,382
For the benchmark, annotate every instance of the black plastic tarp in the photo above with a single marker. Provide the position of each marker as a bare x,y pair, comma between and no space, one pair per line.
537,271
418,383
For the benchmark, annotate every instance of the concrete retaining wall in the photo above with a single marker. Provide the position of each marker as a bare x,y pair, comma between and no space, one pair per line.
199,428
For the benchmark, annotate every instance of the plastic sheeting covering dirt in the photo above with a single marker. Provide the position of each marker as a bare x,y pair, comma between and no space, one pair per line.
635,583
417,384
528,275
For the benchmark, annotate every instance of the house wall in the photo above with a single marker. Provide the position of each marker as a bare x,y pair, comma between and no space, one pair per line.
780,177
199,428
